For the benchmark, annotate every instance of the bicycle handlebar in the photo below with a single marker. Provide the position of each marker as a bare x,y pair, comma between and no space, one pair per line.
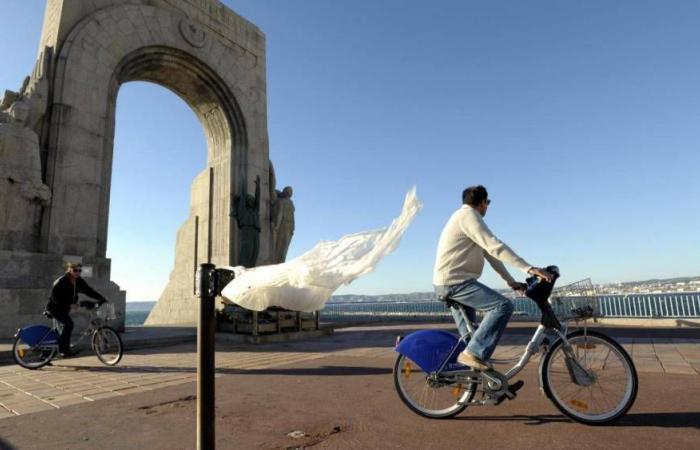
539,290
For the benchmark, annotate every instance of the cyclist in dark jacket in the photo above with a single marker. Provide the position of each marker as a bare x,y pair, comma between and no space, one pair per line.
64,297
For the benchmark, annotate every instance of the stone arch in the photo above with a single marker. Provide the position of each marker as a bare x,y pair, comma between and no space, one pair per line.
205,53
82,121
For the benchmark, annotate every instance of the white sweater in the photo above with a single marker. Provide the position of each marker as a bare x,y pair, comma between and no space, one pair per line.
464,243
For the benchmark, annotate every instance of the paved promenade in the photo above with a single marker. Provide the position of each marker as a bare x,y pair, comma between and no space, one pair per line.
266,391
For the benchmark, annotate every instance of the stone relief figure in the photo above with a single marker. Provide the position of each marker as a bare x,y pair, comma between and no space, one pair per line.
34,93
282,224
272,188
22,191
247,213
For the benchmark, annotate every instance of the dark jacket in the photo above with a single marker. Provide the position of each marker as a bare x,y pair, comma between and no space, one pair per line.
65,293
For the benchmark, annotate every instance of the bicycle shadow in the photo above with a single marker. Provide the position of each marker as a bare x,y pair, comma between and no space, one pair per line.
659,420
4,445
291,371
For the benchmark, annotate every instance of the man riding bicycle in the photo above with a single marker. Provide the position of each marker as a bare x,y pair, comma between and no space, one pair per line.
64,297
464,244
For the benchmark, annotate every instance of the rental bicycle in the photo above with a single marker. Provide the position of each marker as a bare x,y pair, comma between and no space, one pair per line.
587,375
36,345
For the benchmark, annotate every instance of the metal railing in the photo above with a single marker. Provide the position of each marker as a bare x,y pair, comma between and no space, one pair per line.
672,305
669,305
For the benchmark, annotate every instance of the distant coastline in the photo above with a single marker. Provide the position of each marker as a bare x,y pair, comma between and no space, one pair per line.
137,311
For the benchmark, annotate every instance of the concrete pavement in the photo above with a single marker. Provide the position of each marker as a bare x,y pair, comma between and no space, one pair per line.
337,391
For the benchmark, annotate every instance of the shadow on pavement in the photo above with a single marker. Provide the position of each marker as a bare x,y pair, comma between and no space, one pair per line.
312,371
5,446
687,323
660,420
527,420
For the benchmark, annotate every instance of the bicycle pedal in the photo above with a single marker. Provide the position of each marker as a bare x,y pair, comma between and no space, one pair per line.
514,388
511,393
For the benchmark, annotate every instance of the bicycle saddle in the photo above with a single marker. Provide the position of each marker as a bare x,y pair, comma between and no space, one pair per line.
448,301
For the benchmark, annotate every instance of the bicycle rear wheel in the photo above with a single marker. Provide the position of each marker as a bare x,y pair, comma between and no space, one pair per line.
435,400
611,390
107,346
32,356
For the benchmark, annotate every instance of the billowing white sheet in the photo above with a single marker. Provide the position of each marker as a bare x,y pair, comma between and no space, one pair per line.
307,282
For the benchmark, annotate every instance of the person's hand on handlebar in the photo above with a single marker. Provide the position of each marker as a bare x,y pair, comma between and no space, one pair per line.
541,273
520,288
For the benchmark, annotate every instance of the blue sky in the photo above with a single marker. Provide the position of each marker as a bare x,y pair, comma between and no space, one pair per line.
581,118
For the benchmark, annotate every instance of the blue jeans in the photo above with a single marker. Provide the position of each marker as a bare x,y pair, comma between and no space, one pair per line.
476,296
64,339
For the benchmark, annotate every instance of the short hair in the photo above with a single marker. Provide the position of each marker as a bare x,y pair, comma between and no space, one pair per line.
473,195
73,265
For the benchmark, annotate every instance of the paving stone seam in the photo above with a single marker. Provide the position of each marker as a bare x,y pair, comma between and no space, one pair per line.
8,409
29,394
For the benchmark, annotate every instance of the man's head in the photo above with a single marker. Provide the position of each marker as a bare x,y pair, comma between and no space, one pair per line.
477,197
74,269
287,192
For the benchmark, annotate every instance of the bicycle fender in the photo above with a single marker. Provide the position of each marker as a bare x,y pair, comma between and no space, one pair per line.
540,379
34,334
429,348
540,369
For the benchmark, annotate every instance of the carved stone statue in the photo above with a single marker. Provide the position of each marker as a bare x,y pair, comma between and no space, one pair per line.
272,190
282,224
22,191
247,213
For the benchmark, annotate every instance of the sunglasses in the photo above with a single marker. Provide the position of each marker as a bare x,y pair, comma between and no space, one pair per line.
76,270
488,201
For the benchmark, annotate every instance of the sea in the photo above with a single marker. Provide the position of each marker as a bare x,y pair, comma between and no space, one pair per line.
661,305
136,312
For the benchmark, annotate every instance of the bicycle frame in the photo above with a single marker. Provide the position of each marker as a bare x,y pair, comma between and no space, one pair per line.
445,373
532,347
46,338
93,324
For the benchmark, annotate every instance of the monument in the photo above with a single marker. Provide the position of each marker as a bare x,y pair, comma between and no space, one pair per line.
65,113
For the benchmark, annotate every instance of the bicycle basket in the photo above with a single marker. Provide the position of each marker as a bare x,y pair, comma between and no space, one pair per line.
575,301
106,312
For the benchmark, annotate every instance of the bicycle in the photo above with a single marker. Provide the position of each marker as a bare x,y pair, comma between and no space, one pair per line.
587,375
36,345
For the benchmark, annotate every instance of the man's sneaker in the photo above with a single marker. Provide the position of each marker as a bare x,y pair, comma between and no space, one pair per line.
68,354
472,361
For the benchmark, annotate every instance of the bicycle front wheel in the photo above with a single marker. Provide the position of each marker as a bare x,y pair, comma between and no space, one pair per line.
32,356
107,346
432,399
605,393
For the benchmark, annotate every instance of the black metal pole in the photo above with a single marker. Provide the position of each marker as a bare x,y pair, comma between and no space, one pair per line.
205,341
205,359
211,217
195,288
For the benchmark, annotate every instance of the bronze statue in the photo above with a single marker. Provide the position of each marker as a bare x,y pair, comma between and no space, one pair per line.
247,213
